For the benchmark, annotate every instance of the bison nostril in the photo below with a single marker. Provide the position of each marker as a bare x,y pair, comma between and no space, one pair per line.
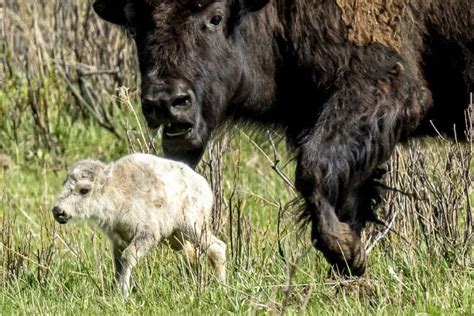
181,100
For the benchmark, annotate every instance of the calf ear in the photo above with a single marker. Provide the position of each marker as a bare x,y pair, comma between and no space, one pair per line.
112,11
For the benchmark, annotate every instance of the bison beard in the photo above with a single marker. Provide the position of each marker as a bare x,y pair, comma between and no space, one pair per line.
346,81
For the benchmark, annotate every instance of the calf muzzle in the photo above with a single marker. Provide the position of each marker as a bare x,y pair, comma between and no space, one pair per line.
60,215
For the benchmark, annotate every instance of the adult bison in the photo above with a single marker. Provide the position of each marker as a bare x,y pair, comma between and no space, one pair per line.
346,80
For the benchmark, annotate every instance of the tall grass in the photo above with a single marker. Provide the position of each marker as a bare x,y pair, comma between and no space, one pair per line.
62,73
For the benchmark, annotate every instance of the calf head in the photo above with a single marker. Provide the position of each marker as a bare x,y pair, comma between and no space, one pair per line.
75,197
190,62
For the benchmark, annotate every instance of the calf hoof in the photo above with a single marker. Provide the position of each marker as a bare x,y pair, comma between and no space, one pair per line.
221,278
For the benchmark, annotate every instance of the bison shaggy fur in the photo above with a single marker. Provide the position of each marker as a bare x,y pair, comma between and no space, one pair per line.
345,80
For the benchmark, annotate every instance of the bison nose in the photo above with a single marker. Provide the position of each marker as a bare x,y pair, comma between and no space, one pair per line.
163,103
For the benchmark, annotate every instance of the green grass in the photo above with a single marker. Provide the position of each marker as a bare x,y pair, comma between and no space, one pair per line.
424,266
48,268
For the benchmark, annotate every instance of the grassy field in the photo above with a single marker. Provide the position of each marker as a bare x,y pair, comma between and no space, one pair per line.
59,103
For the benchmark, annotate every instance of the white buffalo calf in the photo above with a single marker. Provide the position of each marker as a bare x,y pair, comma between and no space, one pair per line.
139,201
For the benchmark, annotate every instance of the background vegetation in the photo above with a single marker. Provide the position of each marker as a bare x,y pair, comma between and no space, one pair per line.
61,70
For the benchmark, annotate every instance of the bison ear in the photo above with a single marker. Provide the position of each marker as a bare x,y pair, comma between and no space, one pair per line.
242,7
252,5
112,11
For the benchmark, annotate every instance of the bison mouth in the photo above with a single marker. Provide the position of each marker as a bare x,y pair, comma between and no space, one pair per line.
175,130
185,141
184,135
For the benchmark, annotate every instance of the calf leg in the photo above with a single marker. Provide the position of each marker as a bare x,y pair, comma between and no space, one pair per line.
215,250
179,243
117,252
118,247
138,247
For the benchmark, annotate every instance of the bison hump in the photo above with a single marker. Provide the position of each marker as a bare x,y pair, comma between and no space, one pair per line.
374,21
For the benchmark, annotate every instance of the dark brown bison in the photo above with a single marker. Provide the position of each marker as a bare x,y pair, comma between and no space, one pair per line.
345,80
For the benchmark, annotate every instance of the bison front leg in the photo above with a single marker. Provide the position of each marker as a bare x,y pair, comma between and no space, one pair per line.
334,163
338,160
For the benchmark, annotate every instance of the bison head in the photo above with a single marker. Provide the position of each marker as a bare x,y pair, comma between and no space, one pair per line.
191,63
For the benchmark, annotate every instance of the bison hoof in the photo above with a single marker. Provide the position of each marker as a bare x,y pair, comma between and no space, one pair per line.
344,251
354,266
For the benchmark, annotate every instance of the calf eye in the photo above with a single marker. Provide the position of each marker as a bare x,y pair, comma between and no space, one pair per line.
84,191
216,20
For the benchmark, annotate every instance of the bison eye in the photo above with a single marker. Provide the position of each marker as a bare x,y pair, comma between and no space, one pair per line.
216,20
131,30
84,191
